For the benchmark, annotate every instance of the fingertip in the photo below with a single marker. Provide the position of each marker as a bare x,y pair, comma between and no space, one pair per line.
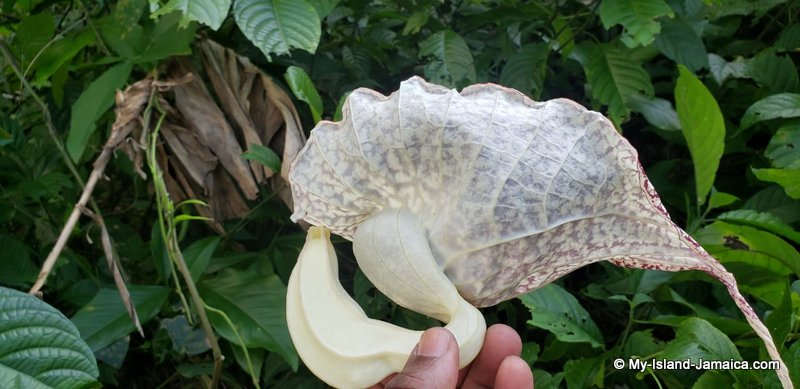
505,335
514,373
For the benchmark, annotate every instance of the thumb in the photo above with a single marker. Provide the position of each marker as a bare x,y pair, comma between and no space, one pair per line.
432,364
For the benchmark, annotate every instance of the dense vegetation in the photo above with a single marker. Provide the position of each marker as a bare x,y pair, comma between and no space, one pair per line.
707,91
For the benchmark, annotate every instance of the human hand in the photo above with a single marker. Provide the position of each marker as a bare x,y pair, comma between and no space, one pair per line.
434,363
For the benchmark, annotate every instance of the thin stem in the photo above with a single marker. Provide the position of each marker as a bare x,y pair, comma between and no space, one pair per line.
167,225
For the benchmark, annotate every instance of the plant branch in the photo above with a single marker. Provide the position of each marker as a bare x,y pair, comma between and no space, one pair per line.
166,217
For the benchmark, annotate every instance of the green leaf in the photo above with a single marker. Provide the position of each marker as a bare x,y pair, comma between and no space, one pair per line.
784,147
256,304
703,128
657,111
198,255
783,105
185,339
40,347
105,319
788,178
209,12
761,220
416,21
157,48
33,33
585,373
613,77
636,16
722,70
737,243
720,199
696,338
789,40
453,65
60,53
303,88
556,310
323,7
264,155
779,321
680,43
776,72
19,270
95,100
277,26
525,70
773,199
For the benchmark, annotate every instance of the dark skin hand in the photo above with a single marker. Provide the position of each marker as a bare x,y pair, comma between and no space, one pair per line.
433,364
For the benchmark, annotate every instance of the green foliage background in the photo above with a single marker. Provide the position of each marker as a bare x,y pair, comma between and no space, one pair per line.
707,91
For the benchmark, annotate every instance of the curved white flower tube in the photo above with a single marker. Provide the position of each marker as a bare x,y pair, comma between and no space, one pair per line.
455,200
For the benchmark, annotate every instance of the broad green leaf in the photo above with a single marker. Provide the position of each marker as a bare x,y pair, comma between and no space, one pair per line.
776,72
773,199
323,7
761,220
720,199
722,70
789,40
525,70
416,21
256,304
556,310
636,16
40,347
157,48
613,77
641,343
337,116
60,53
277,26
95,100
783,105
104,319
585,373
209,12
696,338
198,255
356,59
657,111
453,65
680,43
703,128
264,155
15,260
788,178
784,147
779,321
737,243
303,88
32,35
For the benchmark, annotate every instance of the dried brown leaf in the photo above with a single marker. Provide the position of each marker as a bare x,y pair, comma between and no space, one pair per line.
194,156
203,117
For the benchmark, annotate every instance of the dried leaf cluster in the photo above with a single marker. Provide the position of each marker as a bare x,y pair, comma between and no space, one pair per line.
203,136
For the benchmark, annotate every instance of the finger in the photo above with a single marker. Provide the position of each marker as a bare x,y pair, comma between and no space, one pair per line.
500,342
514,373
432,364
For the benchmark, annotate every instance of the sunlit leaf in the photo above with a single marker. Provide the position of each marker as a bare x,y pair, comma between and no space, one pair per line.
788,178
657,111
723,70
636,16
783,105
738,243
304,89
41,348
784,147
762,220
277,26
263,155
209,12
703,128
